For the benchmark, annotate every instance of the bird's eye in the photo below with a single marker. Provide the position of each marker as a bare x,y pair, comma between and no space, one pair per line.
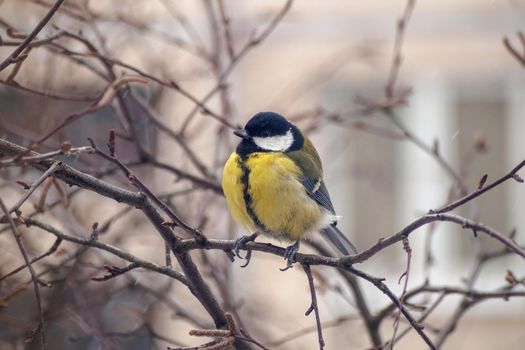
265,134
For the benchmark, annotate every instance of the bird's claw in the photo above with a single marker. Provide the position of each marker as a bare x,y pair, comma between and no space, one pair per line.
248,257
239,244
289,255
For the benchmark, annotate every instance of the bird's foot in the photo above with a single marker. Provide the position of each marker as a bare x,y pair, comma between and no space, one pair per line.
289,255
239,244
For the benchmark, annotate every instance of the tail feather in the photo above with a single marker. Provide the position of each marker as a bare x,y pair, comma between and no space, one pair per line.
338,239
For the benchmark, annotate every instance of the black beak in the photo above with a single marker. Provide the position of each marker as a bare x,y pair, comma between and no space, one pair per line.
242,134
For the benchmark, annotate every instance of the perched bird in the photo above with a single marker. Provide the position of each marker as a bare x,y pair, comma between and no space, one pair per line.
273,184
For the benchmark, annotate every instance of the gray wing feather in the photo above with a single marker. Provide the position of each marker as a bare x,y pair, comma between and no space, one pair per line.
317,190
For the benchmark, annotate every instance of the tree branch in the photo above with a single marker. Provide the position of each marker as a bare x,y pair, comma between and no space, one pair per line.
34,278
12,58
313,306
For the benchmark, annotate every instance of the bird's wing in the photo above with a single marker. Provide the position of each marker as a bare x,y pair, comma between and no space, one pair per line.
317,190
312,175
312,179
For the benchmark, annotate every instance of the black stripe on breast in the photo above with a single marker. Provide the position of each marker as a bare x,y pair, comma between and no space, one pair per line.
245,178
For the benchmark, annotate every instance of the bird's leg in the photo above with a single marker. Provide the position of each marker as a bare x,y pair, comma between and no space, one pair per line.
289,255
240,242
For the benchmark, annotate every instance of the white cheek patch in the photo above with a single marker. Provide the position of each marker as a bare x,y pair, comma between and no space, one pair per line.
279,143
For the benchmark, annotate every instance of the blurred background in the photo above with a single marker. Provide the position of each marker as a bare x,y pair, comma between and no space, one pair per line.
314,65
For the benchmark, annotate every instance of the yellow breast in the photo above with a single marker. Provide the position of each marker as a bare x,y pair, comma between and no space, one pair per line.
233,187
274,194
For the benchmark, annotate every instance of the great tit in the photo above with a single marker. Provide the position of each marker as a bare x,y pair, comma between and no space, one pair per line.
273,184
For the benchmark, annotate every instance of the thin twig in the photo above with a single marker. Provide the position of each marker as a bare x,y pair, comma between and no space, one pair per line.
378,283
49,94
34,279
14,55
251,43
226,31
187,27
47,253
397,56
467,198
421,318
49,172
302,332
427,149
108,248
313,306
135,181
371,323
192,156
405,275
113,271
520,57
171,84
42,156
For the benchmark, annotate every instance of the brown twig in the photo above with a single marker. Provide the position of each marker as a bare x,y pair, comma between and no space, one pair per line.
192,156
421,318
12,58
405,275
251,43
198,181
474,295
427,149
47,253
302,332
467,198
371,323
226,30
467,302
398,45
426,219
393,99
114,271
34,278
313,306
179,308
520,57
49,172
225,338
378,283
33,44
135,181
171,84
43,156
187,27
108,248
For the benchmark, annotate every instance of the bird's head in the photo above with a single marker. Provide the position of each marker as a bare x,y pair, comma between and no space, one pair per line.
269,132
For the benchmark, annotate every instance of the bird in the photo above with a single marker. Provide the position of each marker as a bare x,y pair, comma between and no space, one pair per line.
273,184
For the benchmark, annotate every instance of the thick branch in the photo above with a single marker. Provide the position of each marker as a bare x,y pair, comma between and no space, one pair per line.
197,285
